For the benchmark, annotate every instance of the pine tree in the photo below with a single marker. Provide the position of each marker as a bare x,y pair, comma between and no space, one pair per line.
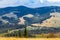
26,32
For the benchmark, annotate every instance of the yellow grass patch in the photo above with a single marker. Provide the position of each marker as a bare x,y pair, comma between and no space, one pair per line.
3,38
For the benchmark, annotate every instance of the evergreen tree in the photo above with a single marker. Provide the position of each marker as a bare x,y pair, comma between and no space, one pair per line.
26,32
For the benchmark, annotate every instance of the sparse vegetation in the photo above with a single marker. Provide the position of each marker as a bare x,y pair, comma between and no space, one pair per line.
25,33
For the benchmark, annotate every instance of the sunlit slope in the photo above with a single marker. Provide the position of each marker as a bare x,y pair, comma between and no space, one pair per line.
54,21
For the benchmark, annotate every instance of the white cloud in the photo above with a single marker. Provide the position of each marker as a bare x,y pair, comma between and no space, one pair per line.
53,0
41,1
7,3
28,3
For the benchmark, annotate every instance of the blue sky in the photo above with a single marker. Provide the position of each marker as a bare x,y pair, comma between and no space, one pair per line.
29,3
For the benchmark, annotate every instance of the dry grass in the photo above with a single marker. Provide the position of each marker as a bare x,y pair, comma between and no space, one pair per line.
4,38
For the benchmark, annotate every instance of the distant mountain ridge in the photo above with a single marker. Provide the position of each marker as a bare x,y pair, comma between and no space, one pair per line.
38,15
22,10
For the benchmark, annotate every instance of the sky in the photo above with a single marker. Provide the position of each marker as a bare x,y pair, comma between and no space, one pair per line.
29,3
